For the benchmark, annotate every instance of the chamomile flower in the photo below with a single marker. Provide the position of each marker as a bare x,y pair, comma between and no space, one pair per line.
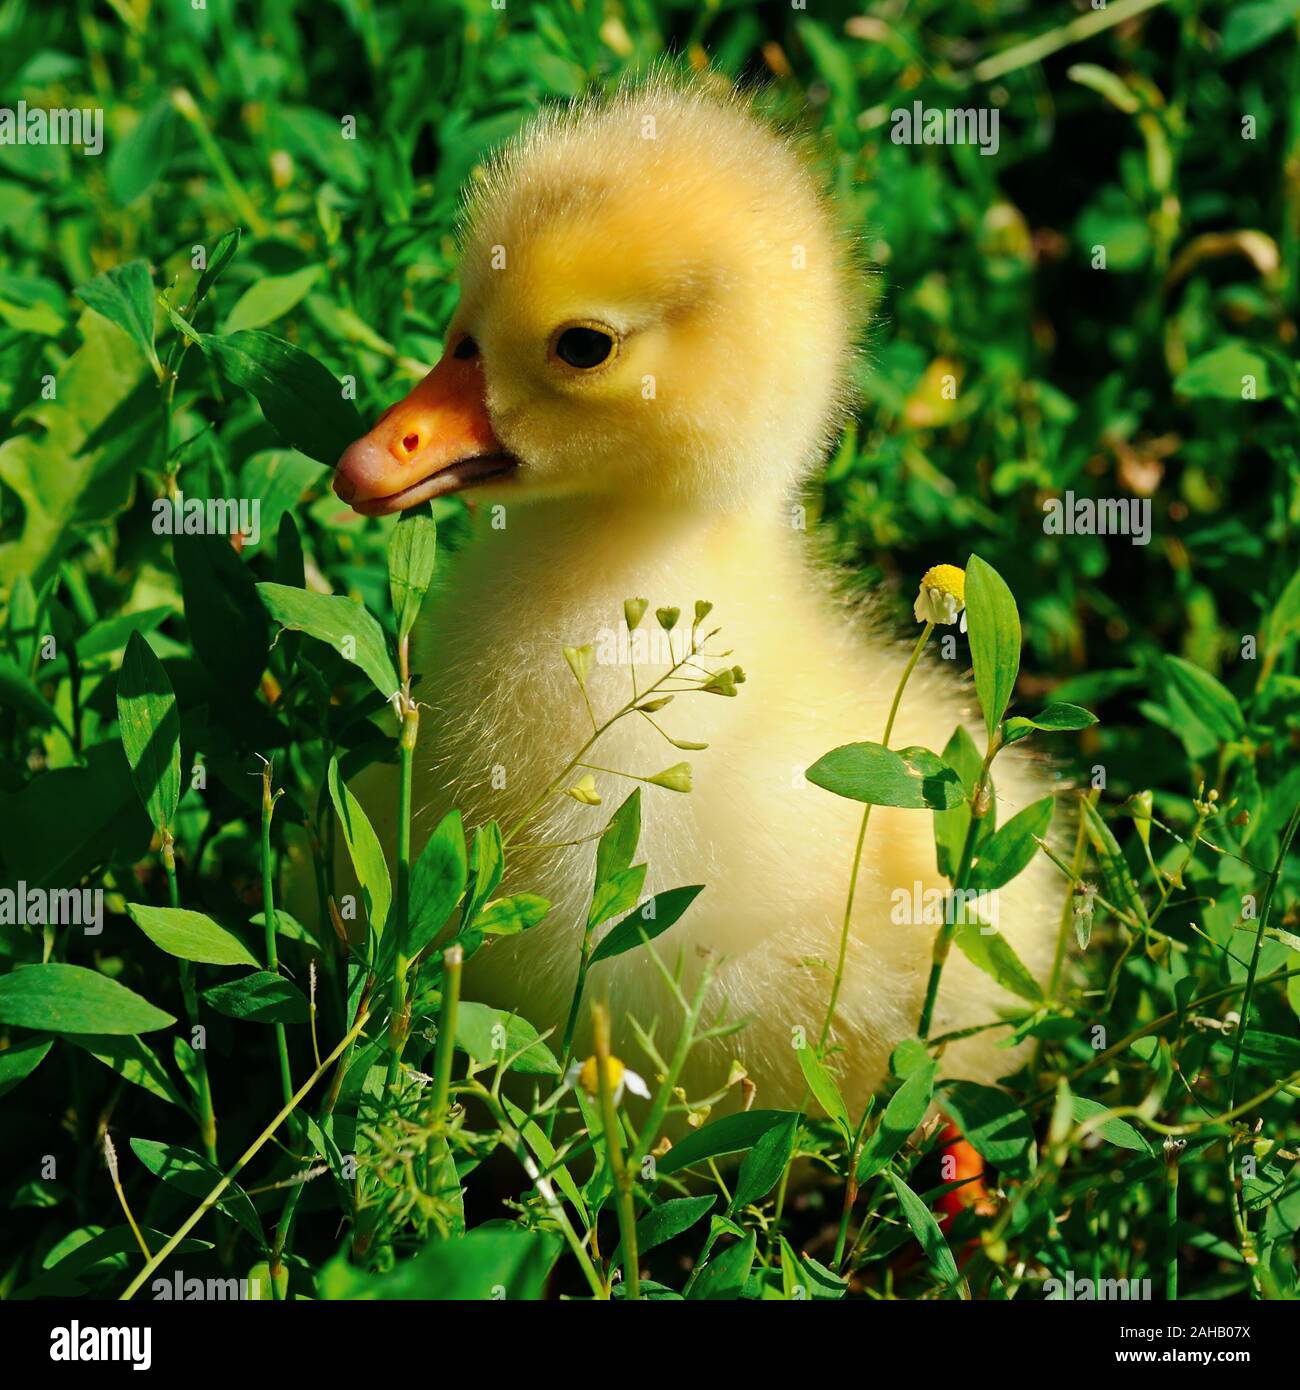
621,1079
942,596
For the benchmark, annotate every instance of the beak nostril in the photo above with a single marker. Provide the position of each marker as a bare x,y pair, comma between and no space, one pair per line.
410,443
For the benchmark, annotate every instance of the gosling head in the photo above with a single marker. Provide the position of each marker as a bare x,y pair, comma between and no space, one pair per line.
656,306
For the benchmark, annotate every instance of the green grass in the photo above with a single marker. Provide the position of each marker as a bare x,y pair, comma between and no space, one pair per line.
1153,1134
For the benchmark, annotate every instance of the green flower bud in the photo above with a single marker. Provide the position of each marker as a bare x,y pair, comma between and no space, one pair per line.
633,611
579,659
676,778
702,610
1141,805
668,617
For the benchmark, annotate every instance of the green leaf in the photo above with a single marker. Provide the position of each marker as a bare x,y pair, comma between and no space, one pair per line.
196,1177
1114,1131
261,997
646,923
20,1059
833,59
619,841
364,850
1120,887
728,1135
277,479
823,1086
913,778
222,254
950,826
190,935
763,1165
545,1151
667,1220
905,1111
341,622
270,298
803,1272
227,624
124,296
94,383
438,879
926,1229
183,326
619,893
1210,701
98,1254
412,552
286,925
994,626
151,731
300,397
486,864
725,1275
17,692
1247,26
1218,374
1008,851
489,1035
1274,1050
994,955
133,1061
1056,718
67,822
995,1126
1285,617
57,998
509,916
139,161
485,1264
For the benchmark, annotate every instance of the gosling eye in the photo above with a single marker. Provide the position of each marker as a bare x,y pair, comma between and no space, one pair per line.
584,348
466,349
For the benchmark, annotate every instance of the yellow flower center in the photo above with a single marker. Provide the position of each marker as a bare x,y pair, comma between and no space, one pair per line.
589,1077
950,579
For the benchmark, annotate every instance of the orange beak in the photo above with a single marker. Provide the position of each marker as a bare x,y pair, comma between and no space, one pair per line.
437,440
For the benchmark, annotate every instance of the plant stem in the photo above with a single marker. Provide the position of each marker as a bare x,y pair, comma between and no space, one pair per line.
331,1099
515,1142
943,941
399,1023
453,958
626,1206
184,102
207,1116
269,922
1155,1026
555,785
862,835
243,1160
1173,1148
1287,836
850,1194
110,1159
571,1023
1067,912
691,1010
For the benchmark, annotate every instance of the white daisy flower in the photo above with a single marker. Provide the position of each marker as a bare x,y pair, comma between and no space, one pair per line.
621,1078
942,596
